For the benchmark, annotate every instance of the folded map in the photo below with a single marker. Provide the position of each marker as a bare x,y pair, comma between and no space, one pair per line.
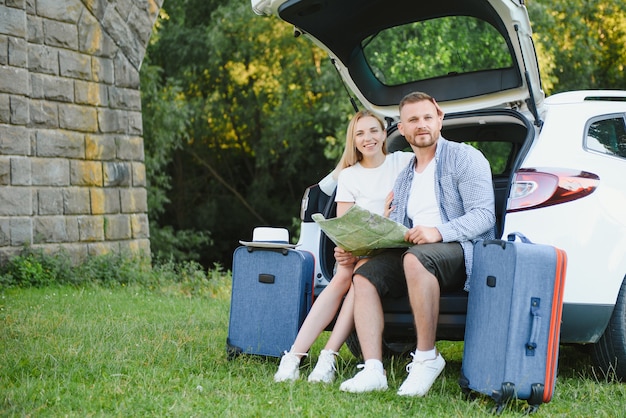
362,232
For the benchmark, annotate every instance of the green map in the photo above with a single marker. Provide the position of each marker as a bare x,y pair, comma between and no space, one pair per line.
362,232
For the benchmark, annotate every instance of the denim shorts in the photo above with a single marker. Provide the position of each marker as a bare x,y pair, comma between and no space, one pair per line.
444,260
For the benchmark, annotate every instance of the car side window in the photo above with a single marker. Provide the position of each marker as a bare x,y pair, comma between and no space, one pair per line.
607,136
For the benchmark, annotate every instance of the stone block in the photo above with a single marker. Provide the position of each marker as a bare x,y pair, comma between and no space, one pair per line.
102,248
134,200
75,65
14,140
130,148
57,143
21,172
117,227
93,40
139,174
76,201
91,228
135,124
18,52
20,111
43,114
125,74
16,201
96,7
58,89
13,22
78,118
105,201
136,247
88,93
14,80
35,29
43,59
50,201
5,108
5,171
116,174
103,70
86,173
49,229
5,232
63,35
37,90
123,98
21,231
4,50
71,226
100,147
62,10
140,226
112,121
50,172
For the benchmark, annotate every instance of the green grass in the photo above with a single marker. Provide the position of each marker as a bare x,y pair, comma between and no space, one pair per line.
131,351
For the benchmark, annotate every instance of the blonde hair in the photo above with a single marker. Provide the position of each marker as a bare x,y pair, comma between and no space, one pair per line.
351,155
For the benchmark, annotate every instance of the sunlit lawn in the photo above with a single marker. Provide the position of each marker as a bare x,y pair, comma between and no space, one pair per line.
134,352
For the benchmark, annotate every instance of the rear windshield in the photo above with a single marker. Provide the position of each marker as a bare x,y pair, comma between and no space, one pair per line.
434,48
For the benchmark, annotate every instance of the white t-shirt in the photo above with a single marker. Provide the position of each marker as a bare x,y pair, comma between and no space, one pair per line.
368,187
422,207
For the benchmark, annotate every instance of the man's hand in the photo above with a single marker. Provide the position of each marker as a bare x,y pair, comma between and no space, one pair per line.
388,202
423,235
344,258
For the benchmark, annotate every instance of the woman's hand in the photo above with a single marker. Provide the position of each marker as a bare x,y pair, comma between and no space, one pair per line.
344,258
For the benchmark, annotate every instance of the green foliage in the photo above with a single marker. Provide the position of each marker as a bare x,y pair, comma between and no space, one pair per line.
180,245
582,43
170,276
438,47
260,107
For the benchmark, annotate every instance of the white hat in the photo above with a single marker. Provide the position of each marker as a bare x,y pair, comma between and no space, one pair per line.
268,237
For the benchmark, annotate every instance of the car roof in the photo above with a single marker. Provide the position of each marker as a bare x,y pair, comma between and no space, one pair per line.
342,28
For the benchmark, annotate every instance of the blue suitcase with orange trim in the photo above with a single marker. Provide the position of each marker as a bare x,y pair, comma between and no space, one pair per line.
272,292
513,321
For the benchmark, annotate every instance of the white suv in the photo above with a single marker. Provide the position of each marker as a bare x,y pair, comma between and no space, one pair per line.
558,163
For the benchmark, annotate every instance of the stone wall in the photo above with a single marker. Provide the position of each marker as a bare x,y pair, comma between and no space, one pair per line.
72,172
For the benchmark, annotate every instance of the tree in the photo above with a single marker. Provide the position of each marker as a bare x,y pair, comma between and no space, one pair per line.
262,114
582,43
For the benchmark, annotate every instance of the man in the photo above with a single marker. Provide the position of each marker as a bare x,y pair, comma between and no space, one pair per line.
445,198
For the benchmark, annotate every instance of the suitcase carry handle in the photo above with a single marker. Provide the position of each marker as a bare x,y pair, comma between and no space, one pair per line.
522,237
510,238
531,345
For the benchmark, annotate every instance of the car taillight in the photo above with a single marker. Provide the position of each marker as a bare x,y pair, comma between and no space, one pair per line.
538,188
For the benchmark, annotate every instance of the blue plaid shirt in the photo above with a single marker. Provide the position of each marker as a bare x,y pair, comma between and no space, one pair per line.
464,191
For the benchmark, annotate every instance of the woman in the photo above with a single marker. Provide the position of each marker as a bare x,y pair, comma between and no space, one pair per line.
366,174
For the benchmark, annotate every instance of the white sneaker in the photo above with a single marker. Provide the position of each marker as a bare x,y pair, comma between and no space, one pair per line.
367,380
289,368
325,368
422,375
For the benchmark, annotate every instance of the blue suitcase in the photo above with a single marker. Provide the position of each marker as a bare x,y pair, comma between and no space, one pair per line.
271,295
513,321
